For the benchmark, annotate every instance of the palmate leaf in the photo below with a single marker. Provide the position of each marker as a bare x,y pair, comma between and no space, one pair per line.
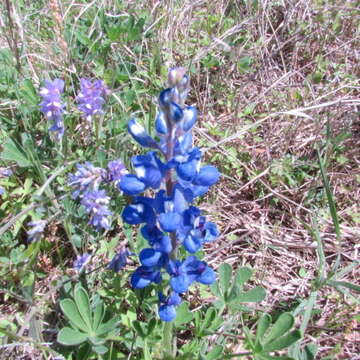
283,341
224,272
12,152
72,313
70,337
98,315
283,324
83,304
256,294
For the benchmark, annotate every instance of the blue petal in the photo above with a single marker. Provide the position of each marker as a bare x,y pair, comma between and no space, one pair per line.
174,299
207,176
131,185
192,244
150,257
169,221
180,284
164,245
167,313
160,124
139,282
211,232
165,97
133,214
140,135
176,112
189,118
187,170
207,277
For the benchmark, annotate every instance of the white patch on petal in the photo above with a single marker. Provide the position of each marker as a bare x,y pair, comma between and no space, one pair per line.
56,104
140,171
49,114
137,129
88,106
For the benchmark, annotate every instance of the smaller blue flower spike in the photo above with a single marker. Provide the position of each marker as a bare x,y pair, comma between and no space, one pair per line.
167,311
91,98
96,204
36,231
175,177
52,106
119,261
86,178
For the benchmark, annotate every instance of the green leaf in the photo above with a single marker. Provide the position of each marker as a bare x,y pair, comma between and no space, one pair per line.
71,311
100,349
224,272
107,327
83,304
11,152
262,326
28,93
283,342
183,314
69,337
283,324
151,326
242,275
99,314
96,341
256,294
344,284
138,328
215,353
210,316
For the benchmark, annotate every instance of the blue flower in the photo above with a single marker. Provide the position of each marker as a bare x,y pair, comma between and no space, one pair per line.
2,191
167,311
96,204
145,275
36,231
91,98
86,178
52,106
81,261
183,274
119,261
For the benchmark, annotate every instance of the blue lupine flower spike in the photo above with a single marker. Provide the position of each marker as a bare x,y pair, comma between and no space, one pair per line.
52,106
170,220
91,98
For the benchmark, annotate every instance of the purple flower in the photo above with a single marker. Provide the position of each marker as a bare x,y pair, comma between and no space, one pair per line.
116,170
36,231
5,172
86,178
119,261
2,190
91,98
81,261
96,204
52,106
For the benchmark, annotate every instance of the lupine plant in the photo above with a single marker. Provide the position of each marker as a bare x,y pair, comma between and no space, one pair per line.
172,172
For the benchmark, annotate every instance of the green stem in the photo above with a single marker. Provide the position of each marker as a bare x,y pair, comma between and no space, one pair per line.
168,340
